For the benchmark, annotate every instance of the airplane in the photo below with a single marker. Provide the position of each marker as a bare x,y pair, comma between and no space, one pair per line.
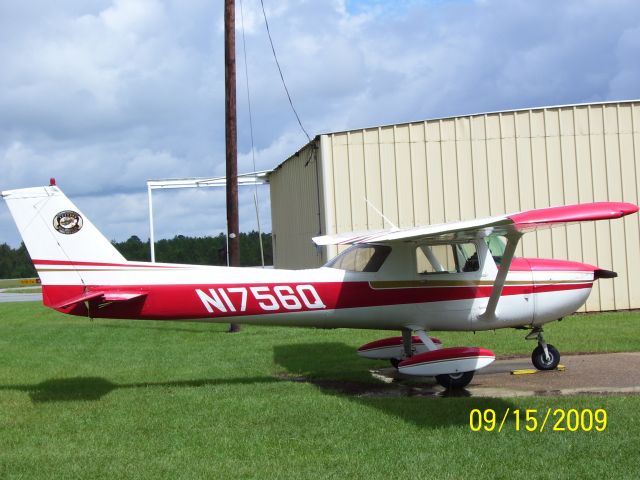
460,276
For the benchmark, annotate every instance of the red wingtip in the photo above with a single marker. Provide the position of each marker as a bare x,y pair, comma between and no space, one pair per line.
575,213
52,182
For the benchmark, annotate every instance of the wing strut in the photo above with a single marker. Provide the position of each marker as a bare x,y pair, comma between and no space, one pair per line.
501,277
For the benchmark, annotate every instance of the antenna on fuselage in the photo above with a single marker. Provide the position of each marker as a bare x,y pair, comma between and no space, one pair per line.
393,225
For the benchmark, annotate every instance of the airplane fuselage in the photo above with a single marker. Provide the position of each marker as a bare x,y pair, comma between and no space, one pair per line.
536,292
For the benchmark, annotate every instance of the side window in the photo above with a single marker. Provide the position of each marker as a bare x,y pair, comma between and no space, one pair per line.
361,258
447,258
496,247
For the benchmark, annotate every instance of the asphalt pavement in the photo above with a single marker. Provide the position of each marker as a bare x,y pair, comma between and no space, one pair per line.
19,297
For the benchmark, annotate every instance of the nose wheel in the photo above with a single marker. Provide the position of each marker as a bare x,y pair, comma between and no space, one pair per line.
545,356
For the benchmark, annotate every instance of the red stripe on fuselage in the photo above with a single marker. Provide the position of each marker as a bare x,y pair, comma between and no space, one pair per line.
75,263
231,300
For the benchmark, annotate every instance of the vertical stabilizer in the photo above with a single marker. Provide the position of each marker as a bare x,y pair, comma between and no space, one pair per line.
55,231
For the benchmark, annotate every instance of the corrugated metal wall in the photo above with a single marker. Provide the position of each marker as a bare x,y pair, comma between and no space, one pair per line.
295,203
474,166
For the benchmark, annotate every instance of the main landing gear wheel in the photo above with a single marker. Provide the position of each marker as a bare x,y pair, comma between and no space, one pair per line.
454,381
541,361
395,362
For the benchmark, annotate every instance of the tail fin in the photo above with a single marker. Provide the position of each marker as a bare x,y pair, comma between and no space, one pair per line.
55,231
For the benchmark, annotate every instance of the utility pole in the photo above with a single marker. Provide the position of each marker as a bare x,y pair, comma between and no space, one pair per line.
231,134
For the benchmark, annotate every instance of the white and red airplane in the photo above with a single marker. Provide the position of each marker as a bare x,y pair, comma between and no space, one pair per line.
456,276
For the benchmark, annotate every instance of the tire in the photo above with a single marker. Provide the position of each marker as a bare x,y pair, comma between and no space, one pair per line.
395,362
538,360
455,381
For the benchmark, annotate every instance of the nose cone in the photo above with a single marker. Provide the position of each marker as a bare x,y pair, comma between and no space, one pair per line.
540,265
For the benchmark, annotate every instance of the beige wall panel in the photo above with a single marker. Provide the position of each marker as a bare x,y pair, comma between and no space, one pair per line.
567,121
435,189
616,229
466,180
553,153
625,119
419,175
596,120
585,193
294,212
373,178
541,187
388,173
601,192
448,129
536,123
417,132
450,180
492,126
556,193
581,120
401,133
570,187
325,157
497,180
630,193
404,186
610,118
341,183
551,122
480,170
357,182
509,158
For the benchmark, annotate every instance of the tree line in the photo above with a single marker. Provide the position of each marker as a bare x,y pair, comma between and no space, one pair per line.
16,263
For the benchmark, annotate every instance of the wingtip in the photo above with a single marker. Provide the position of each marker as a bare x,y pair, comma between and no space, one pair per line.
628,209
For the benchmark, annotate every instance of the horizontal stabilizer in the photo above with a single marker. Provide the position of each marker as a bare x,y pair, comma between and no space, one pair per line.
102,296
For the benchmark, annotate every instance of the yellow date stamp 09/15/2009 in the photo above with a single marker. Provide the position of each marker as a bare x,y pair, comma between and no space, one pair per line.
539,420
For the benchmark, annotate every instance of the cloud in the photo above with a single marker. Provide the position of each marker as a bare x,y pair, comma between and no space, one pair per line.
105,94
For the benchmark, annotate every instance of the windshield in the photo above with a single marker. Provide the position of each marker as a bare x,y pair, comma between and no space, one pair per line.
496,245
361,258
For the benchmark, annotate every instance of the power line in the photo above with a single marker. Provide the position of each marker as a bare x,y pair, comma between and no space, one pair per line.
253,150
264,14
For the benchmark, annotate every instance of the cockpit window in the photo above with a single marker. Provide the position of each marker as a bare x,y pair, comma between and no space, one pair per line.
447,258
361,258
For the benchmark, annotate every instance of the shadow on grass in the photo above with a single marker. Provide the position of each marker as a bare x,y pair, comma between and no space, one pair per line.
336,369
94,388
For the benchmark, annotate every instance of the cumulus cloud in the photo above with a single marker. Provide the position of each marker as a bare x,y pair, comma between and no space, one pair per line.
105,94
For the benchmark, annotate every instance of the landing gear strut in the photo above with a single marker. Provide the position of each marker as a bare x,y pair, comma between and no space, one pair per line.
450,381
407,346
545,356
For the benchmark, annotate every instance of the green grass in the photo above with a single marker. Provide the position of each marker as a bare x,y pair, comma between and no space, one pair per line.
116,399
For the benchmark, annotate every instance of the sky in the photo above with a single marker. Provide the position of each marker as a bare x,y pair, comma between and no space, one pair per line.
104,95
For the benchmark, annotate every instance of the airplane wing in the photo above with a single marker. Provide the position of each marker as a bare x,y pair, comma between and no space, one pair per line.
512,226
519,222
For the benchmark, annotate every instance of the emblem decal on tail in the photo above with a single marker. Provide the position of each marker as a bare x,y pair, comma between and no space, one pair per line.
67,222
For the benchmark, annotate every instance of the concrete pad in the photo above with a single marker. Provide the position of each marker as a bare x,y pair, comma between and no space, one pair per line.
588,374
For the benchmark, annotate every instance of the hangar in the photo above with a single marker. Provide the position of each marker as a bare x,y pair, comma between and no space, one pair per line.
470,166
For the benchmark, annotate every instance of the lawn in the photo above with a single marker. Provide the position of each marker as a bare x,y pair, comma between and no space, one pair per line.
114,399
